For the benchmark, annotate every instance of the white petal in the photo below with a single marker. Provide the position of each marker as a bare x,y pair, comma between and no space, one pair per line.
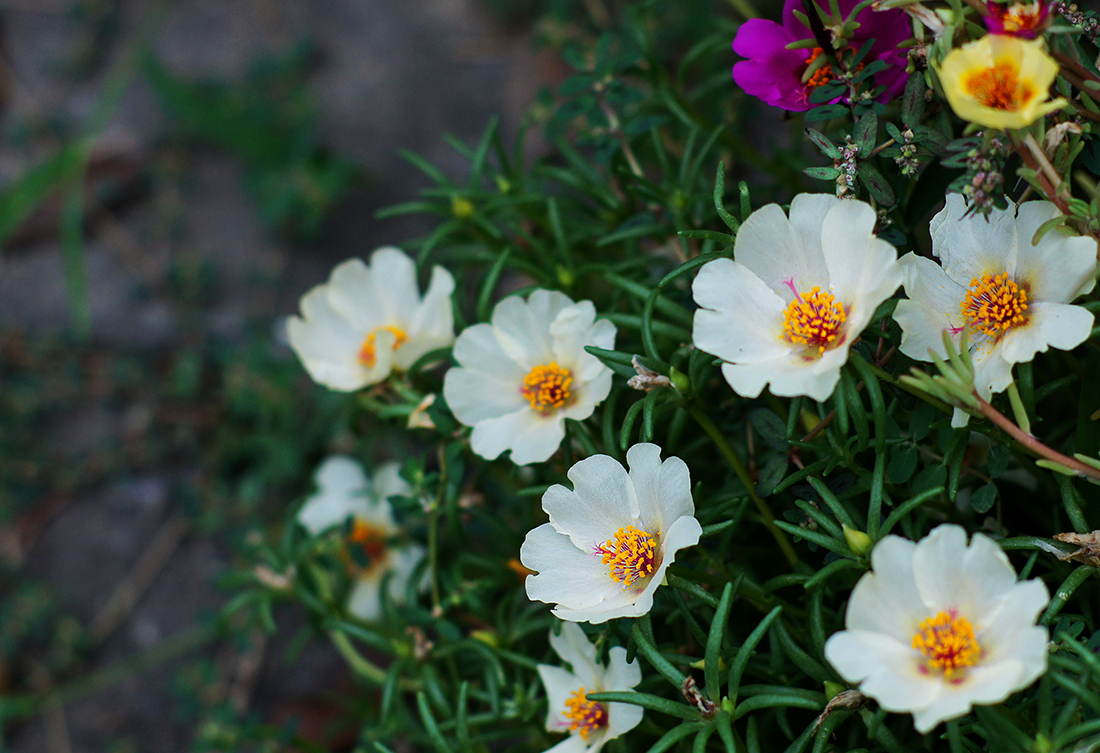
621,674
365,601
785,252
531,437
937,568
573,646
741,319
475,396
587,367
571,744
566,575
393,275
987,684
887,601
887,669
789,376
351,293
602,501
1061,267
933,306
863,270
974,245
1002,630
992,373
663,489
1050,324
560,684
433,319
588,395
327,344
341,493
402,564
522,327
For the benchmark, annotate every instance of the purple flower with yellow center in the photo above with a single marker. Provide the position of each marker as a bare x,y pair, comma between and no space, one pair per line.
1024,20
785,78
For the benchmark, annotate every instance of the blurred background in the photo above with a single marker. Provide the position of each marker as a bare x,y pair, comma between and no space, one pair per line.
173,176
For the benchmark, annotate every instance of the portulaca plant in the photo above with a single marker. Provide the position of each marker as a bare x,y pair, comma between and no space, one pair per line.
694,474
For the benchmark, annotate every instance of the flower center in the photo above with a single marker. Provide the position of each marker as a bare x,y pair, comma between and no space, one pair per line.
994,304
546,387
814,319
822,75
584,715
367,355
365,546
999,87
631,555
1026,18
948,644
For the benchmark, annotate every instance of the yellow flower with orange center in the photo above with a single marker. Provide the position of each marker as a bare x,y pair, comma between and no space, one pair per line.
1000,81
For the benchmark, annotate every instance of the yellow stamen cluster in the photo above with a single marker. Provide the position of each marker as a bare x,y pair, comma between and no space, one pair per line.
547,387
994,304
630,556
365,546
584,716
814,319
999,87
367,355
948,644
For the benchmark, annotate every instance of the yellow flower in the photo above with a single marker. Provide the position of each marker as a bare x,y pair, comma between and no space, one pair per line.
1000,81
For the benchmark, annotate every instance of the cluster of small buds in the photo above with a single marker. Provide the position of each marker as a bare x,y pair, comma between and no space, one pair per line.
846,165
985,175
907,161
1087,23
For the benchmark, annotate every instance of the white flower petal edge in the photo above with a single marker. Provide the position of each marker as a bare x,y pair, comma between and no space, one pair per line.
939,626
520,376
610,539
344,491
800,291
367,321
1040,280
590,724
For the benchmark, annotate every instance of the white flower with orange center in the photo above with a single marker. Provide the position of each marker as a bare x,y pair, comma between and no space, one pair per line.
1014,296
345,495
1000,81
524,373
589,724
799,291
368,321
609,540
939,626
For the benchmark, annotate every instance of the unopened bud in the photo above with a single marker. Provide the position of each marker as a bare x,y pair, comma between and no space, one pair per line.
859,542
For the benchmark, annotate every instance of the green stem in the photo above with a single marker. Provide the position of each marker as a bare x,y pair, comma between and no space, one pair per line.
742,473
356,660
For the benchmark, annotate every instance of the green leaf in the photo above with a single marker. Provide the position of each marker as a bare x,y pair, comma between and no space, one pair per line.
827,147
866,132
876,184
714,643
719,199
903,464
741,659
912,100
771,428
826,112
981,501
821,173
647,701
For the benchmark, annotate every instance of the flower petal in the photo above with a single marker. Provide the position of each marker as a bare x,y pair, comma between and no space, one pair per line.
530,437
574,648
782,251
663,488
602,501
970,246
341,493
560,684
1060,267
566,575
886,600
351,294
741,318
365,600
887,669
1060,325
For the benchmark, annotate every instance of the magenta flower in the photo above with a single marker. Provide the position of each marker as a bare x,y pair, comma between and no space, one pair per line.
774,74
1025,20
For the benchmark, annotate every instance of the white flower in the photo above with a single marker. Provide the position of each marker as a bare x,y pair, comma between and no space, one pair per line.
1015,296
367,321
939,626
343,491
608,543
590,724
799,293
523,374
